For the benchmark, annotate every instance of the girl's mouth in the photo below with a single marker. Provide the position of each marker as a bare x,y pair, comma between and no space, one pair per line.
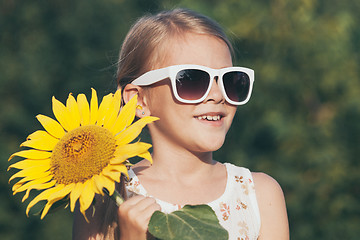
209,117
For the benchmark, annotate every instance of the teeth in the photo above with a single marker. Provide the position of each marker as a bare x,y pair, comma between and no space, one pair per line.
209,118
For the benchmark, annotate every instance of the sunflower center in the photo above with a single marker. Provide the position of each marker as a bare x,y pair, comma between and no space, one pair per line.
82,153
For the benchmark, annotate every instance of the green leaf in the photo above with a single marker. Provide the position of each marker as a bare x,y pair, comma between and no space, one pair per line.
189,223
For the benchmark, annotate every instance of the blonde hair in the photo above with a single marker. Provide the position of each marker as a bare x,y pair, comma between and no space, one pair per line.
142,47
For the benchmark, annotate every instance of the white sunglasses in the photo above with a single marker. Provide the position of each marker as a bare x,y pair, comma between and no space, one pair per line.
192,83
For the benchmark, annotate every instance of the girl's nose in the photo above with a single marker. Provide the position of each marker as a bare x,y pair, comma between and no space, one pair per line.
215,94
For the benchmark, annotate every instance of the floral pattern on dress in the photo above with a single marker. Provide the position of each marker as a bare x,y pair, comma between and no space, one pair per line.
246,238
225,210
243,230
133,187
239,179
246,184
240,205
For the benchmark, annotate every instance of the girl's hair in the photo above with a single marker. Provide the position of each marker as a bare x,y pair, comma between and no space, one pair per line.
142,47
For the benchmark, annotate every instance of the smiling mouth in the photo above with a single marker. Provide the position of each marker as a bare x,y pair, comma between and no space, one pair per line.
209,117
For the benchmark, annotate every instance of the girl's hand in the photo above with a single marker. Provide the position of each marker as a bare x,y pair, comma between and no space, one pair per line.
134,216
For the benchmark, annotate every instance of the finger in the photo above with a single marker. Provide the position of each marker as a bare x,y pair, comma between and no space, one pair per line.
145,203
135,206
148,207
148,212
131,202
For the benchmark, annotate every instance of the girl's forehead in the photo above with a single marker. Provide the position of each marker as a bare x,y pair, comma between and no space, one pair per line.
193,48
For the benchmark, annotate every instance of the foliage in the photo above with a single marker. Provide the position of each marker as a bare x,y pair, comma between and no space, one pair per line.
190,222
301,125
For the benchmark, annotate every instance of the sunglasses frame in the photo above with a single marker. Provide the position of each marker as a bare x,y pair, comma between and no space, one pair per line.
170,72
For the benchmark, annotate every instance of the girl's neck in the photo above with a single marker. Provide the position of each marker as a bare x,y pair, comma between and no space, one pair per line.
173,177
181,162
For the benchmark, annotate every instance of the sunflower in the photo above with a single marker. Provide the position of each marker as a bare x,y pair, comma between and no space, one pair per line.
82,153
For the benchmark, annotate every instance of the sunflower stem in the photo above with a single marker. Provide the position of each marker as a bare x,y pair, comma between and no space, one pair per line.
116,196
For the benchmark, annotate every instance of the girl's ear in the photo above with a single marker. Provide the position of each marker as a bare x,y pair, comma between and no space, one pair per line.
130,90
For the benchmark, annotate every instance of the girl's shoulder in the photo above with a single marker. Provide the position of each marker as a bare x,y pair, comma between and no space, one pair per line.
268,191
272,207
265,184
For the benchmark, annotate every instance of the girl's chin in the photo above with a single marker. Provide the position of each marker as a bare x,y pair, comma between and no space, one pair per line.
210,145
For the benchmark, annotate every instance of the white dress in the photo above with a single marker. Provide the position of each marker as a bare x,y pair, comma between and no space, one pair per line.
236,209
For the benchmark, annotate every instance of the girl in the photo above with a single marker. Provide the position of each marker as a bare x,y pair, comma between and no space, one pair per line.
179,63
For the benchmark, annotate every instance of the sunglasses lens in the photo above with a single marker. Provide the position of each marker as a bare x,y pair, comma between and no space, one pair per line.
192,84
237,85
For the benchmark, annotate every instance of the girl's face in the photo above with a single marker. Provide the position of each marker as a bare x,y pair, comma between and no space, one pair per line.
190,126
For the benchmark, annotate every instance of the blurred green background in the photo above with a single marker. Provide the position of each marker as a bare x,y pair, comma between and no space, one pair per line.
302,125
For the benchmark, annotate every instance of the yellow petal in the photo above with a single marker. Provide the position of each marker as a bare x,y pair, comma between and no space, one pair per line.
41,140
73,110
29,163
105,105
22,182
119,159
134,130
51,126
31,183
32,171
114,175
87,196
117,96
84,109
75,194
95,189
29,178
62,114
131,150
61,193
99,183
146,155
104,182
40,134
121,168
43,196
93,107
126,116
18,185
56,196
38,187
115,108
32,154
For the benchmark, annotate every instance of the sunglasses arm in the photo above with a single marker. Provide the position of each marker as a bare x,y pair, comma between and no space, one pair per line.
151,77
